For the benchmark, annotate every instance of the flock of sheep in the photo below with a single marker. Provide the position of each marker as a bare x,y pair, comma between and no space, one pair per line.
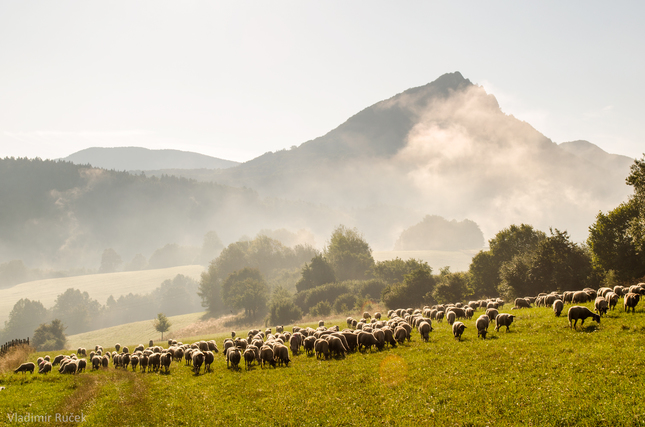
267,348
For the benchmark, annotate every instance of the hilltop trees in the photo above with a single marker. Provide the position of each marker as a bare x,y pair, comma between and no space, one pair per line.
316,273
617,238
435,232
76,310
349,254
246,289
416,288
486,265
50,337
24,318
110,261
267,255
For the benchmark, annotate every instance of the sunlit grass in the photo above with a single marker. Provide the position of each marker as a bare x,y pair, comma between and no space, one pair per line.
541,372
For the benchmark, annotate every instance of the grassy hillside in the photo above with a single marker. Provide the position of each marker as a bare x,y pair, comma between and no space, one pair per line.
457,260
539,373
98,286
131,333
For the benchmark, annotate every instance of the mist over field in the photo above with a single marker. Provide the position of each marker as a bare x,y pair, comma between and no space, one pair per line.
443,149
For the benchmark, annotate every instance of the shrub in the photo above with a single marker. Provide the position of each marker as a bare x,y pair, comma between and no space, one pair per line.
283,312
344,303
323,308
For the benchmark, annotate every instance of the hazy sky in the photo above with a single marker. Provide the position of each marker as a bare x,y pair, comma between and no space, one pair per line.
237,79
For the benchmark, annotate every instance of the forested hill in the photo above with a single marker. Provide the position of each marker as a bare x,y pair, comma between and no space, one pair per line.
56,213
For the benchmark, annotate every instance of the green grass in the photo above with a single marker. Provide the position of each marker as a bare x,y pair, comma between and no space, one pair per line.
129,334
539,373
456,260
98,286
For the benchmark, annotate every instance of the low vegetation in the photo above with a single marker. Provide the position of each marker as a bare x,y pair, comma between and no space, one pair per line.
541,372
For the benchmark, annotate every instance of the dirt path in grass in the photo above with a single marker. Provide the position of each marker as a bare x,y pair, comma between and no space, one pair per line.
88,390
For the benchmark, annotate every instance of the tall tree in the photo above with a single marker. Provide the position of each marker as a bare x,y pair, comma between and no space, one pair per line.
24,318
110,261
485,269
50,337
316,273
246,289
161,324
617,239
349,254
415,290
76,310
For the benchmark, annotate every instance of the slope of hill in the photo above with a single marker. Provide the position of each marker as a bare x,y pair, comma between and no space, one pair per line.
445,148
611,163
98,286
137,159
130,333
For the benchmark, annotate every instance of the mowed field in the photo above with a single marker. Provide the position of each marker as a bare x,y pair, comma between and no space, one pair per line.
98,286
540,373
456,260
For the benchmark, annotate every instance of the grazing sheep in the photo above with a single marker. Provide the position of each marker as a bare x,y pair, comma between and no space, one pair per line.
294,343
143,363
45,367
491,313
321,347
612,299
26,367
458,329
117,346
503,319
424,329
134,362
266,355
451,317
249,356
440,315
151,343
581,313
558,305
400,334
70,367
198,361
631,300
164,361
308,344
233,357
281,355
82,364
482,324
580,297
522,303
58,359
104,361
601,306
154,362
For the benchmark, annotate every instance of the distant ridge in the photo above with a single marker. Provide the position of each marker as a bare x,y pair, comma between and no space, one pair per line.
138,159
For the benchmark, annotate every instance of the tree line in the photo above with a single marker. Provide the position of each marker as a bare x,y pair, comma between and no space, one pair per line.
75,312
519,261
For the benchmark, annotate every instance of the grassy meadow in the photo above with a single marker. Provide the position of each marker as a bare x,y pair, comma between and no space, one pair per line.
98,286
136,332
539,373
456,260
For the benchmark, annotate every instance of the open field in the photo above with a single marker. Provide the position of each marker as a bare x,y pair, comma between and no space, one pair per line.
136,332
98,286
539,373
456,260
